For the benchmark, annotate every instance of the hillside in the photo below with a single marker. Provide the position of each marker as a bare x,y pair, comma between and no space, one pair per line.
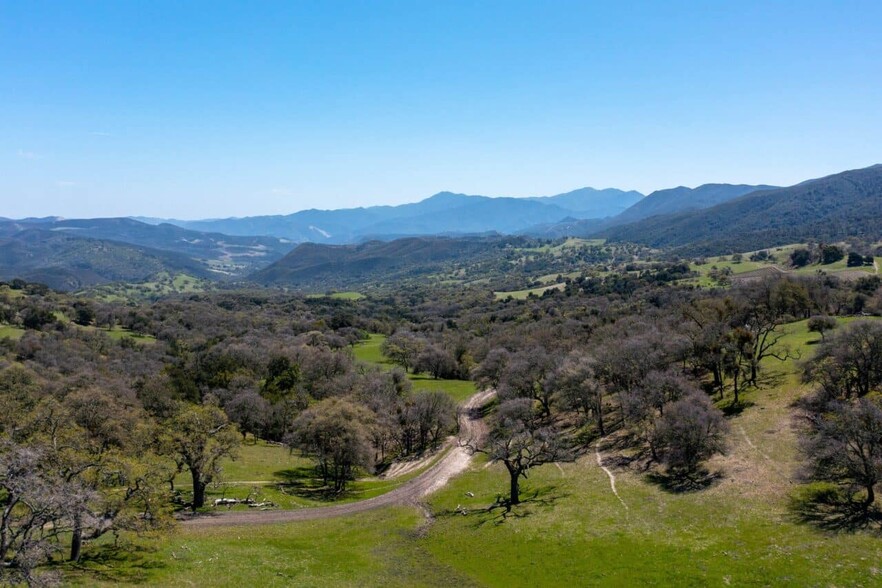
668,201
67,262
681,199
442,213
826,209
224,253
321,267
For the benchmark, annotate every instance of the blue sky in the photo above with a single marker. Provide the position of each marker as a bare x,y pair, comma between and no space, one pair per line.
195,110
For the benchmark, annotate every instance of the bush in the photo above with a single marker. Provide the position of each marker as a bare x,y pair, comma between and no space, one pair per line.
831,254
800,257
691,431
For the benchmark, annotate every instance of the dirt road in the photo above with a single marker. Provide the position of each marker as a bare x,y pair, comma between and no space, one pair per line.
454,462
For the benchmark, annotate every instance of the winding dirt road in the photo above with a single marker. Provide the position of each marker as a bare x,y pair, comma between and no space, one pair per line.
454,462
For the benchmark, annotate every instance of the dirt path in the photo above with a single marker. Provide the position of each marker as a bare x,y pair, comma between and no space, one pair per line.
402,468
454,462
612,476
771,462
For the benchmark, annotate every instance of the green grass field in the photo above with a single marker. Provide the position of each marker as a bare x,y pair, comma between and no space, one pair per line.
12,332
554,278
163,284
271,472
339,295
118,332
524,294
369,352
782,257
569,243
10,293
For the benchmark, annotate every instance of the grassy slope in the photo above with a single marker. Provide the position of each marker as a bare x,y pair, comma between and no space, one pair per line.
161,285
572,530
12,332
524,294
782,256
339,295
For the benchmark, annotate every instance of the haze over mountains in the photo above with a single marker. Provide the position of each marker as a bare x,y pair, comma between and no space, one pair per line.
709,219
578,212
443,213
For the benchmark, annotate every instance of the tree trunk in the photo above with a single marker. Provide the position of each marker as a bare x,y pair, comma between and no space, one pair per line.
76,541
871,496
198,490
514,494
718,379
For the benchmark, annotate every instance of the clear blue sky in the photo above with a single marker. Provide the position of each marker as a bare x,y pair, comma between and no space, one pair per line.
186,110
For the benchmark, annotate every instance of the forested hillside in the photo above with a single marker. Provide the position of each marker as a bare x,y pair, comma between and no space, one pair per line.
227,254
682,199
827,209
314,266
69,262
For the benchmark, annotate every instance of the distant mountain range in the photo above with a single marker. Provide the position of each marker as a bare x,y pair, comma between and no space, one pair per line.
709,219
847,204
660,202
443,213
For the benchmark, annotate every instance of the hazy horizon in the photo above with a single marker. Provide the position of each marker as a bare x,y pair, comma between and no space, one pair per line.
218,110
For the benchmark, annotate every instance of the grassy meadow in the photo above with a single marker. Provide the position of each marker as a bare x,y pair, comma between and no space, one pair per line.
271,472
524,294
11,332
369,351
782,261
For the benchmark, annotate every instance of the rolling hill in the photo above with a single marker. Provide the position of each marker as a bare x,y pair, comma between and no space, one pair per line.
68,262
232,255
319,266
825,209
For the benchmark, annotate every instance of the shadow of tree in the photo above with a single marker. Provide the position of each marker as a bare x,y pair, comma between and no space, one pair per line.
304,482
501,510
830,509
732,408
683,482
116,563
771,378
